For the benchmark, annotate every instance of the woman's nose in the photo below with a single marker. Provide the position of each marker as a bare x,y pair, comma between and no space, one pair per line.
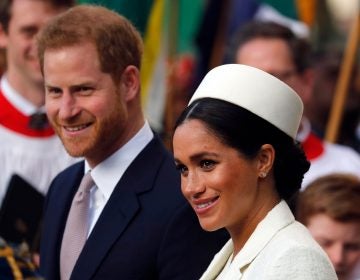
192,185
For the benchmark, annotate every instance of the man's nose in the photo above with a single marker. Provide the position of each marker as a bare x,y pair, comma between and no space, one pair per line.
68,106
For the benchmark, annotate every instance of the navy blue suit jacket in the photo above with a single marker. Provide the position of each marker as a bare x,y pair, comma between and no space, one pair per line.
146,231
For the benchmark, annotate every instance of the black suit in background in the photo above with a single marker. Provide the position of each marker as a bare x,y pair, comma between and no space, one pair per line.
146,231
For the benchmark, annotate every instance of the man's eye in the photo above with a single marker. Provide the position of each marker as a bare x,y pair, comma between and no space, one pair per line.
352,247
84,90
54,90
29,31
325,243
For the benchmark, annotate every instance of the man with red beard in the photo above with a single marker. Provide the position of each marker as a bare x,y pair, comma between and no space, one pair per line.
127,218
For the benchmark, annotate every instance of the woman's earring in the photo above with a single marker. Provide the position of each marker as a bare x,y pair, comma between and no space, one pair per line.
262,174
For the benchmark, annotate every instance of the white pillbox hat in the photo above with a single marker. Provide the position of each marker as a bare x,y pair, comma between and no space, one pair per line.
255,90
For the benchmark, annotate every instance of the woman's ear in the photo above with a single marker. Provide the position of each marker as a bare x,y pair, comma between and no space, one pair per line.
266,157
130,82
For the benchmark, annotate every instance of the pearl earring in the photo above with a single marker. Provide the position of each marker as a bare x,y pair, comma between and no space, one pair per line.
262,174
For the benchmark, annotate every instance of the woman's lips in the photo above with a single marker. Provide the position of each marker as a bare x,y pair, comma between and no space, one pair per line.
201,206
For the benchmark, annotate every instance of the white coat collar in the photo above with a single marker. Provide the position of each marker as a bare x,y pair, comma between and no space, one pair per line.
278,218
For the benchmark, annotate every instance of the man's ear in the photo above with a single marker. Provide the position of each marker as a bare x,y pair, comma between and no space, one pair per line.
266,158
130,82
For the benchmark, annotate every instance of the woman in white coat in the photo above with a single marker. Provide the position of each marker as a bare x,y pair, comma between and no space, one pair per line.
234,147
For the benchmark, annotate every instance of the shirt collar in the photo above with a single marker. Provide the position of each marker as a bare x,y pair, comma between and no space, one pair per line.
107,174
17,100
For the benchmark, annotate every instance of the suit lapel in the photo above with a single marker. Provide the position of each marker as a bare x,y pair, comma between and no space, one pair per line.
115,217
121,208
61,193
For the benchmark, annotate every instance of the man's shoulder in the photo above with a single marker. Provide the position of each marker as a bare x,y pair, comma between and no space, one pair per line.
70,172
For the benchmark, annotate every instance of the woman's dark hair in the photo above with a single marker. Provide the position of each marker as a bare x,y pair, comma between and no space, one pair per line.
247,132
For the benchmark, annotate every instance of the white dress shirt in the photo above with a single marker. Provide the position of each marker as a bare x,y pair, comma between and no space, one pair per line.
107,174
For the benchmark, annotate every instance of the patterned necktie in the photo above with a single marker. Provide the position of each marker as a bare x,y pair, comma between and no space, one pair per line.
76,228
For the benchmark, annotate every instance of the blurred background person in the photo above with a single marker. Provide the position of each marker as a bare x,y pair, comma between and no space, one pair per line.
326,65
275,49
330,208
30,152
